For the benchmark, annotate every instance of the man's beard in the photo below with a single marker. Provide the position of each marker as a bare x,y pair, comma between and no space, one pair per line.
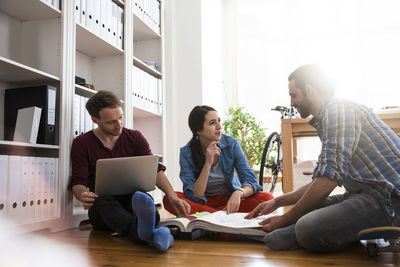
113,132
305,114
305,108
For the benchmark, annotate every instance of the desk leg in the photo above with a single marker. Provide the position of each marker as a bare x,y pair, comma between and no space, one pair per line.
287,157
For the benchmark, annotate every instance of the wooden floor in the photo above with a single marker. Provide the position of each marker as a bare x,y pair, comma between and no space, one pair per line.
106,250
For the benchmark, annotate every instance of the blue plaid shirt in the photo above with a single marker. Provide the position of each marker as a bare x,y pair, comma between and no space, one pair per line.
359,151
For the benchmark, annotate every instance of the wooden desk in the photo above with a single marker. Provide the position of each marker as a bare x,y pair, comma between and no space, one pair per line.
292,129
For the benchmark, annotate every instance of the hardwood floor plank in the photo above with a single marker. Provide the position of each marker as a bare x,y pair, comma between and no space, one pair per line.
106,250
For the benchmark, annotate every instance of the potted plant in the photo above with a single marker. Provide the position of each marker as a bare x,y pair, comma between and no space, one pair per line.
250,133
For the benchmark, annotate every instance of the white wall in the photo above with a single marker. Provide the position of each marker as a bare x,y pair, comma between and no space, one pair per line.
183,76
194,69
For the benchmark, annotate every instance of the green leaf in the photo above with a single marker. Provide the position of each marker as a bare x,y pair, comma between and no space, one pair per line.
250,133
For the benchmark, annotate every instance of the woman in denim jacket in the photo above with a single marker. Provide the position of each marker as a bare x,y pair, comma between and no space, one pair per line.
208,163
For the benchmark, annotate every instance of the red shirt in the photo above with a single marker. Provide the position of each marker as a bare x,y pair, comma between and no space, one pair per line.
87,149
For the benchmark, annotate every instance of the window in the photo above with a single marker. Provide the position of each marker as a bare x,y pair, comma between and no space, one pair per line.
357,42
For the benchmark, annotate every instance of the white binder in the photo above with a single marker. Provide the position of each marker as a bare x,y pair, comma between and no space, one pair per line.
24,189
97,17
140,88
120,27
141,10
114,24
136,9
78,11
46,189
90,20
108,21
39,188
53,175
27,125
14,174
135,96
3,184
82,112
88,119
32,189
56,4
76,115
83,13
103,19
160,96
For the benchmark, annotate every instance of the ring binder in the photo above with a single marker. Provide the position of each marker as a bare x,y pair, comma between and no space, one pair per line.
44,97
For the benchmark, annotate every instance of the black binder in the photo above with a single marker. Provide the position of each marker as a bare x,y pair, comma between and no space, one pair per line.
44,97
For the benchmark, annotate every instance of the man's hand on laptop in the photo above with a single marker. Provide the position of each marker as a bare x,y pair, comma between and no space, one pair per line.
87,198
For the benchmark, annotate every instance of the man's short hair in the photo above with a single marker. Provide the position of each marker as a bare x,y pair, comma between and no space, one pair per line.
102,99
315,76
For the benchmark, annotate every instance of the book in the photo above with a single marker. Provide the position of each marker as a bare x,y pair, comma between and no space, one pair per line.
194,225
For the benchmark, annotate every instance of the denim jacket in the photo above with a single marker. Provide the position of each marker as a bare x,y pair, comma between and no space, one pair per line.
231,158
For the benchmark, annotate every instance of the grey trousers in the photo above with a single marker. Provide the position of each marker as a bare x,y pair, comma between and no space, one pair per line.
333,225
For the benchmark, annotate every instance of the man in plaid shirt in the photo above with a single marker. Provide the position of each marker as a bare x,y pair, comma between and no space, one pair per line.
359,152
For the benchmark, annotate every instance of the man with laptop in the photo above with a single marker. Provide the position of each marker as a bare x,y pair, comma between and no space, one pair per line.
114,206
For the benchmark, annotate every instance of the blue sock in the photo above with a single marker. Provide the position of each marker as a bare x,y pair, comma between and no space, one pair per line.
143,205
163,239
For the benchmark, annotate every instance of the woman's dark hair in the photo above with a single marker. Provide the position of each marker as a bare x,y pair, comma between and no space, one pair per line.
196,122
102,99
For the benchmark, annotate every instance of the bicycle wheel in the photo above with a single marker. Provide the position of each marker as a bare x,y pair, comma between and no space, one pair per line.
271,161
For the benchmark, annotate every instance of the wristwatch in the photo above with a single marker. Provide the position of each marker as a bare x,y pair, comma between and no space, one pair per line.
244,192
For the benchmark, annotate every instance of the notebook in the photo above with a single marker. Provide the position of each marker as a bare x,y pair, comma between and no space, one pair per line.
118,176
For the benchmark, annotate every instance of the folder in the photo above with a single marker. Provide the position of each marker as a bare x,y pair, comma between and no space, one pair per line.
97,17
83,14
88,119
44,97
136,9
48,2
114,24
46,188
108,21
78,11
27,125
24,187
82,111
160,96
135,95
76,115
39,188
53,179
120,27
3,184
90,20
32,189
13,189
103,19
56,4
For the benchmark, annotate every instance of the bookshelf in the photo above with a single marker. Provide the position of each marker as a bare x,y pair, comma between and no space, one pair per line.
31,194
44,44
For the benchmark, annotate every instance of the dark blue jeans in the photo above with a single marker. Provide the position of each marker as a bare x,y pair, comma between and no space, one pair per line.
114,213
332,226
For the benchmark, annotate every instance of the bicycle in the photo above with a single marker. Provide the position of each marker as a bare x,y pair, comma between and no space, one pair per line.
272,155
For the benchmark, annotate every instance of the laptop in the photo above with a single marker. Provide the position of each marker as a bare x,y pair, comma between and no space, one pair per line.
119,176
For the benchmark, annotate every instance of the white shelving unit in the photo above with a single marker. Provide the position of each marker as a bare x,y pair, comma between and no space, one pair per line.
43,45
14,72
22,144
30,55
148,112
29,10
